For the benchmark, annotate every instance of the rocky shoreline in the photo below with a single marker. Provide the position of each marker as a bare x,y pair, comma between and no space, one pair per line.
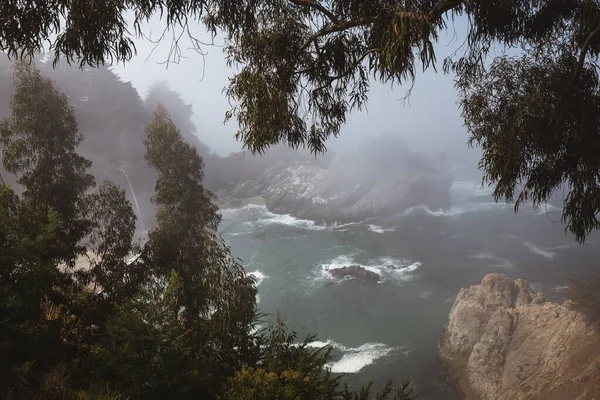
351,188
504,341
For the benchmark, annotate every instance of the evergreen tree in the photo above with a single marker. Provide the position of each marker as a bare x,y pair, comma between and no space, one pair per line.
28,341
210,309
49,302
38,143
186,240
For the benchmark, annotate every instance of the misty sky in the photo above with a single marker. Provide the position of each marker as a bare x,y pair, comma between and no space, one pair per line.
430,122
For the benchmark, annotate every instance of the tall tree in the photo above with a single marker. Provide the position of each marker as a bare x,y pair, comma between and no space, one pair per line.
38,145
186,240
49,301
30,337
213,297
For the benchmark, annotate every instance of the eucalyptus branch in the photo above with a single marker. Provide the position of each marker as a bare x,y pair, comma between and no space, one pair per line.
579,67
348,71
442,7
336,28
313,4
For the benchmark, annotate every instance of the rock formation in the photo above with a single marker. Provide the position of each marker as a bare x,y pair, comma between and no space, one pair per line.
355,271
381,179
503,341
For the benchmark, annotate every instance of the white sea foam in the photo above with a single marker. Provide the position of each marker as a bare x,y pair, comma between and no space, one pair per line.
237,233
286,220
455,210
249,209
354,359
388,268
466,198
547,288
539,251
338,262
559,288
497,261
258,276
254,216
410,268
379,229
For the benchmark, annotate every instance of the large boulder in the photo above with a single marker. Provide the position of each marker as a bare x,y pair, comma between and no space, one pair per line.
503,341
355,271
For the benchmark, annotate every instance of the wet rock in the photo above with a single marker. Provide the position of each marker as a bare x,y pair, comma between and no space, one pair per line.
355,271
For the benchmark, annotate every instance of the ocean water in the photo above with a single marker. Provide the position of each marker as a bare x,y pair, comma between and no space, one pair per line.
392,329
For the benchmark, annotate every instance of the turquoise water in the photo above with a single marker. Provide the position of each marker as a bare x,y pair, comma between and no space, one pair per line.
392,329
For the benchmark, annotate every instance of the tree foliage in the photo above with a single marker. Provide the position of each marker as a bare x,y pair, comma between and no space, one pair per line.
186,240
48,302
39,146
289,370
181,113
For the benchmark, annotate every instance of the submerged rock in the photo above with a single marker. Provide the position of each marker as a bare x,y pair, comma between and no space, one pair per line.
355,271
503,341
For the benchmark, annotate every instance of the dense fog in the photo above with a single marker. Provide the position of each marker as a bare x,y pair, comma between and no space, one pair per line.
396,136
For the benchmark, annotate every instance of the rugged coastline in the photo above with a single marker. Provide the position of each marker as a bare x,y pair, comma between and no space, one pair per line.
505,341
382,179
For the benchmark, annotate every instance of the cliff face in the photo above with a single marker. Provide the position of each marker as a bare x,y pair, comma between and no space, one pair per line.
504,341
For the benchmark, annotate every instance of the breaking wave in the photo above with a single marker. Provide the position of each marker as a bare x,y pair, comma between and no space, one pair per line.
354,359
253,216
286,220
258,276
